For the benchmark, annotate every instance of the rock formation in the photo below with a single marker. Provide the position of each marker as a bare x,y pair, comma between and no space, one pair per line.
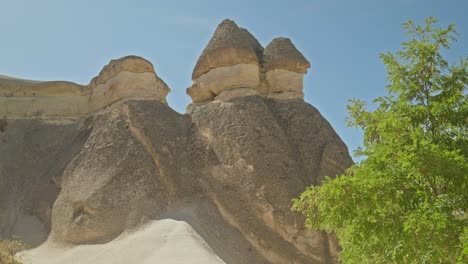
234,64
284,68
127,77
229,167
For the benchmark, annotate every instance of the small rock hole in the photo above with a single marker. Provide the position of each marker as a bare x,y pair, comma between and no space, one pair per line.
3,125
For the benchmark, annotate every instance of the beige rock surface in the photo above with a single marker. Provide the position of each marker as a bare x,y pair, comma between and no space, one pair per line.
282,54
229,167
37,106
212,83
234,59
12,87
279,80
230,45
127,85
127,77
227,95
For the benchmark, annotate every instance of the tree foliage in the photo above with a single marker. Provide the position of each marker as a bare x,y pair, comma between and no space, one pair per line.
407,201
9,251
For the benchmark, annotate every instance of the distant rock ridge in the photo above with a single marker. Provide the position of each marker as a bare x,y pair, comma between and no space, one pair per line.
234,64
127,77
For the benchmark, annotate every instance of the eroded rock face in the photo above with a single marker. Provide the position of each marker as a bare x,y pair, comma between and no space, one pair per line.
229,46
263,159
33,156
34,99
133,64
127,77
118,182
281,53
229,167
234,59
211,84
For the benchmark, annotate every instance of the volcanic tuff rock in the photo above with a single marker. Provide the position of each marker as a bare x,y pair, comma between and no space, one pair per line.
229,167
127,77
282,54
234,59
132,64
230,45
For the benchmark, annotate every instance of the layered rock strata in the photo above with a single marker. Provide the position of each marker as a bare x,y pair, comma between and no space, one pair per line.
229,167
127,77
234,64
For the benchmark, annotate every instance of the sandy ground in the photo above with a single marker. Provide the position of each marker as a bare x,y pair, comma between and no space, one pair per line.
165,241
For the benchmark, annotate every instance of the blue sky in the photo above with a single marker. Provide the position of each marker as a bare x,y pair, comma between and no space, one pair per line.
73,40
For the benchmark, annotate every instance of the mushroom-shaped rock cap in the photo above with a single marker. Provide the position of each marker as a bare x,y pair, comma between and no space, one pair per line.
133,64
282,54
127,77
230,45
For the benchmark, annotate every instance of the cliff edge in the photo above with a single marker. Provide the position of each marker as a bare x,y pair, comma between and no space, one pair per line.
124,78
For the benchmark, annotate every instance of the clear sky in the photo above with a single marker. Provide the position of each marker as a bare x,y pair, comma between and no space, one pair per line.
73,40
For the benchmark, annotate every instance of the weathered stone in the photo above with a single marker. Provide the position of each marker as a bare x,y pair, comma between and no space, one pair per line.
229,168
32,154
282,54
262,160
230,45
212,83
118,189
227,95
23,98
127,77
234,59
130,63
286,96
279,80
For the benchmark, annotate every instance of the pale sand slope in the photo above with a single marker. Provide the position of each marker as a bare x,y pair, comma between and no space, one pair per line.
165,241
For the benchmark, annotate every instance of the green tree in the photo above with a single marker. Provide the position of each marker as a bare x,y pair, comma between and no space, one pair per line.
407,200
